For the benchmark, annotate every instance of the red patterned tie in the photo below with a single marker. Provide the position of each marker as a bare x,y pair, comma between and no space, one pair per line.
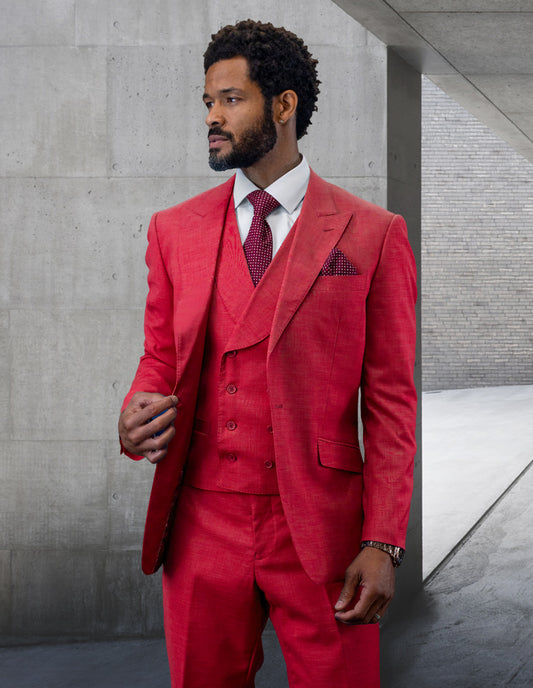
258,244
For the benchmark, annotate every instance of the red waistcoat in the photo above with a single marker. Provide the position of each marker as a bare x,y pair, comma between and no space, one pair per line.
232,447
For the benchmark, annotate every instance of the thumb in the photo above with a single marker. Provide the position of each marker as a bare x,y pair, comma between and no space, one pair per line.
347,593
141,400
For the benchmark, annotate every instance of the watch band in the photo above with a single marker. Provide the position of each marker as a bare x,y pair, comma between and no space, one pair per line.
396,553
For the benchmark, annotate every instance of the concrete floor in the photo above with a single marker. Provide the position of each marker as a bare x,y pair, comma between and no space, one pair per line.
475,442
471,627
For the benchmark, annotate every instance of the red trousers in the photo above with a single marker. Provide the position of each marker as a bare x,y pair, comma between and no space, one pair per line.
231,564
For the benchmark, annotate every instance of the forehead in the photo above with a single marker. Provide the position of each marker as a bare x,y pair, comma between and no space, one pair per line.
227,74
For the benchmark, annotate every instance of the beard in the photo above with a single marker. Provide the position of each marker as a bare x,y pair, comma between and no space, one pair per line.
253,144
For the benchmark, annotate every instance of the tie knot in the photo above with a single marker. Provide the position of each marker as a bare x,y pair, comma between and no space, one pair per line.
262,202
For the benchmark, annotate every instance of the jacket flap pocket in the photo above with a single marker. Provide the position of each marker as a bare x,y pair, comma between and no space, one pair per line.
346,457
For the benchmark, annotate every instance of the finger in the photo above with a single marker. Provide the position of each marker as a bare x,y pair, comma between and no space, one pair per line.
376,618
379,613
347,593
361,611
373,616
138,427
156,443
167,435
160,422
156,455
141,400
135,414
156,407
378,605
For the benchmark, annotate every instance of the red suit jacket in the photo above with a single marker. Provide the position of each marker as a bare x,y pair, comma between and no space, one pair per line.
331,335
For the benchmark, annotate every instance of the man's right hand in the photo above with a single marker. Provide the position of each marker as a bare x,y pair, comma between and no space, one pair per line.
138,433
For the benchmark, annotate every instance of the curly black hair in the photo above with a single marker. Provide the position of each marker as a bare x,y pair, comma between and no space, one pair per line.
278,61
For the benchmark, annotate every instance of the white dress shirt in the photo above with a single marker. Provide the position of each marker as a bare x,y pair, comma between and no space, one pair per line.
288,190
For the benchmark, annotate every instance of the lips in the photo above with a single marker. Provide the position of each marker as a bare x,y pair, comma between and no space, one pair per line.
216,140
217,136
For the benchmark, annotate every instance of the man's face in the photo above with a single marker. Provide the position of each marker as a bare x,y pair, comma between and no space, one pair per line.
241,127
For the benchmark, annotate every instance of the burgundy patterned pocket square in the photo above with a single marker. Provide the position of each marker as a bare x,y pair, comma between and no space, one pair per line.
337,264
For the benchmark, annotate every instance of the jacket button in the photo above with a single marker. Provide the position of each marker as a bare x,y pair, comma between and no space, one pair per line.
270,429
231,354
231,425
231,388
269,464
231,458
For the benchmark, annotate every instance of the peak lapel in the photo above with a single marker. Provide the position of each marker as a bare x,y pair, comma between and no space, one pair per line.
198,253
319,228
197,260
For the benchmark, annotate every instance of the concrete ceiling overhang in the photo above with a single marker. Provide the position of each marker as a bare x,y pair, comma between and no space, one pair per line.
480,52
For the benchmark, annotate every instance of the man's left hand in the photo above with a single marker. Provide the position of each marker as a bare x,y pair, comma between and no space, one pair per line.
371,573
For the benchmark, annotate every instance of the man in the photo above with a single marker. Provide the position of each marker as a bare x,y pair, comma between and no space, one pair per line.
259,336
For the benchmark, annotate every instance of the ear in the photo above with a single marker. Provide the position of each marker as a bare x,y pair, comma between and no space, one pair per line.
284,106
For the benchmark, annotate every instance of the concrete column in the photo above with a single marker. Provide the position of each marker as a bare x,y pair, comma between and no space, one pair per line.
404,197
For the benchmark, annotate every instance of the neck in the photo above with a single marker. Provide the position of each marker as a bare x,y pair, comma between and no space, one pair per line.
272,166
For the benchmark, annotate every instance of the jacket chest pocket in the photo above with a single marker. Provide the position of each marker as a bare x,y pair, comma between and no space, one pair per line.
334,299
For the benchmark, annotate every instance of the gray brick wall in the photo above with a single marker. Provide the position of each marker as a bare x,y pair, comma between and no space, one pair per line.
477,252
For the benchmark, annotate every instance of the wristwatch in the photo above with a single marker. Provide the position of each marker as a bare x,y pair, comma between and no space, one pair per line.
396,553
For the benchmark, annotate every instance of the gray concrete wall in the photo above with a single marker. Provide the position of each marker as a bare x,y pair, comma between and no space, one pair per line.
103,125
477,258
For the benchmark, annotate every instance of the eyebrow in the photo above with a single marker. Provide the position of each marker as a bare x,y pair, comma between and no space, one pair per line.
225,91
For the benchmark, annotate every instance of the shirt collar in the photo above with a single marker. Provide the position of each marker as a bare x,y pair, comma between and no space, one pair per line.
288,190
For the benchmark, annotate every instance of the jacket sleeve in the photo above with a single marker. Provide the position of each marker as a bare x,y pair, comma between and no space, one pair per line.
157,367
388,394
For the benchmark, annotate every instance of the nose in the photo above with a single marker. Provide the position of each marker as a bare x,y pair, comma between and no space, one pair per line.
214,116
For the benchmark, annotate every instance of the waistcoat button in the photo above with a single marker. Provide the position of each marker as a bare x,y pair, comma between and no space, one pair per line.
231,388
231,354
270,429
231,458
269,464
231,425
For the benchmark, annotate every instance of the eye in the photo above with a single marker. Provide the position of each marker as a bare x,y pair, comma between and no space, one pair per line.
232,99
208,104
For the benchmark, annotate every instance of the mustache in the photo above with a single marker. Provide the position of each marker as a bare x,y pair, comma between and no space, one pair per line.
217,131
